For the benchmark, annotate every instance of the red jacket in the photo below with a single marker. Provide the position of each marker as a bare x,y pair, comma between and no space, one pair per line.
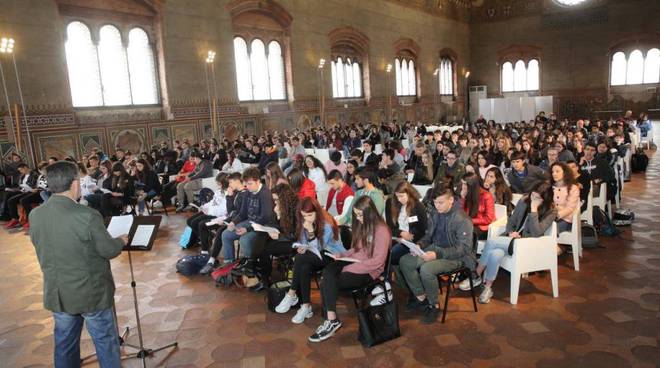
188,167
485,212
345,192
308,189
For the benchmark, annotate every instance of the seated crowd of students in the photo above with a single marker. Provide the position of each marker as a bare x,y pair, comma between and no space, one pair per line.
370,204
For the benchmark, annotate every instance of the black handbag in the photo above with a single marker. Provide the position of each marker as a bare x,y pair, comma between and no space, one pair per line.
276,293
378,324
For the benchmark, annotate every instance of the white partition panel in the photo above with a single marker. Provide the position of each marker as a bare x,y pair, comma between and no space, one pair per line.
544,103
528,108
499,110
486,108
513,112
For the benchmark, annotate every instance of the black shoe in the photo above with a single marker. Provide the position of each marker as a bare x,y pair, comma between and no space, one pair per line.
257,287
415,304
207,269
241,264
325,331
430,315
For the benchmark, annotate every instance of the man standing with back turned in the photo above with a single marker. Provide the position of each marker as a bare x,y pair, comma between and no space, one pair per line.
74,251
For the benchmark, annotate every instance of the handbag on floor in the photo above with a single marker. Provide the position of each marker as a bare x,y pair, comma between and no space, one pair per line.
276,293
223,277
191,265
378,324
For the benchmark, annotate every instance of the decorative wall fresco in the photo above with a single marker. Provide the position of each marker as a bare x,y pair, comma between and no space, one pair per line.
161,133
131,139
90,140
59,146
184,132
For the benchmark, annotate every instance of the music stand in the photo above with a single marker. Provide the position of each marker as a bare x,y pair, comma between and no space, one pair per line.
141,237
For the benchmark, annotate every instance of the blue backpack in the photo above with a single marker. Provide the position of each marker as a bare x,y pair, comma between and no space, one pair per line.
191,265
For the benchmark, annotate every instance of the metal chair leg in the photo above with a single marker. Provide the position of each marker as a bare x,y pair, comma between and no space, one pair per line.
474,300
444,311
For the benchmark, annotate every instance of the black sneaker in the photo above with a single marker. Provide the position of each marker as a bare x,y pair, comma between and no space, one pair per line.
257,287
325,331
430,314
415,304
207,269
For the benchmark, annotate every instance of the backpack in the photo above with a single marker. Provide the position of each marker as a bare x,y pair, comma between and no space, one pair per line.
604,224
223,277
589,237
205,195
639,161
191,265
623,217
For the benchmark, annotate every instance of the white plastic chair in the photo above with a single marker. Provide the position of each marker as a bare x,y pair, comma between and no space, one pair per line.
309,151
515,197
422,189
500,219
405,144
323,155
588,214
210,183
378,149
601,201
531,255
574,239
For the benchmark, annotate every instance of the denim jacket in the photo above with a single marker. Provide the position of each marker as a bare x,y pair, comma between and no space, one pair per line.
331,245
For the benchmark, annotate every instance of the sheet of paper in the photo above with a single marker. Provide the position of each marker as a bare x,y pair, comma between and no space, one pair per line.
120,225
106,190
310,248
414,248
26,187
343,259
264,229
142,235
217,221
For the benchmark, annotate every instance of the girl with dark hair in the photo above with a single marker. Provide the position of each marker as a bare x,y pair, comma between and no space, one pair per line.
335,163
317,232
274,175
478,203
301,185
532,217
370,246
483,163
278,244
406,217
566,195
315,172
233,164
103,184
121,191
494,183
146,184
425,172
351,169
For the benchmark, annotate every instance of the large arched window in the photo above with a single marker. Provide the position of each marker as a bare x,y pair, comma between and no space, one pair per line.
446,77
406,76
259,70
346,78
142,68
83,66
635,68
261,50
521,76
110,74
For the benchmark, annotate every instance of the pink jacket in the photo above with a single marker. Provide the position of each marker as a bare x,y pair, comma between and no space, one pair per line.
566,201
374,265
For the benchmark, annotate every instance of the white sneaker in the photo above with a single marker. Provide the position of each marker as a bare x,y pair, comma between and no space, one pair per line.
380,299
286,303
379,289
486,295
465,284
303,313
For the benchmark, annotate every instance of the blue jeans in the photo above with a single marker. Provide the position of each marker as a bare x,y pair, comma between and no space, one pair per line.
246,241
398,250
492,254
101,327
148,195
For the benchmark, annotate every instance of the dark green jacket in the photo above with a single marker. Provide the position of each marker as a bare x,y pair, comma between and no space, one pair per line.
74,251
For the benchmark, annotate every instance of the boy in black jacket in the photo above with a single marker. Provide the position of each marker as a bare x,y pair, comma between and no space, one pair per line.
257,207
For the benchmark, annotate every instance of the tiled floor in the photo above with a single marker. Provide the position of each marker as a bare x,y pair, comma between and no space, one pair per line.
607,315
